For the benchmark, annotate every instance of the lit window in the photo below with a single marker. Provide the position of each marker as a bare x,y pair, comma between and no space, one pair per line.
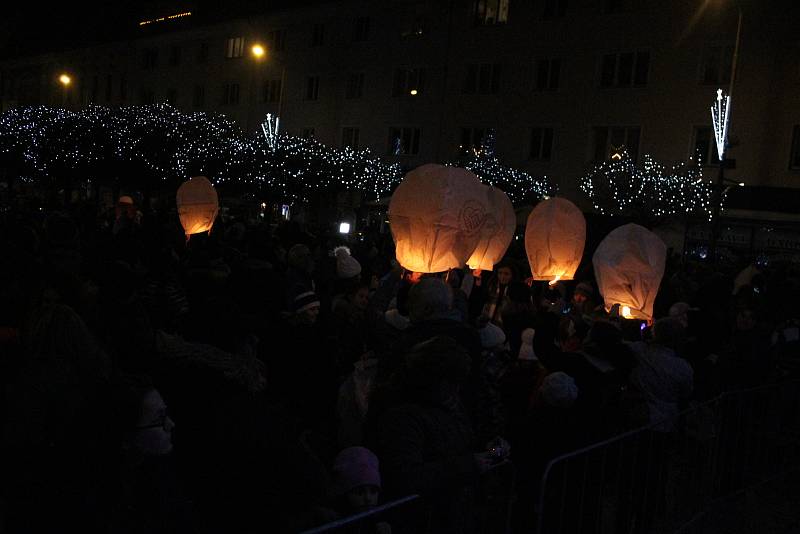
234,47
488,12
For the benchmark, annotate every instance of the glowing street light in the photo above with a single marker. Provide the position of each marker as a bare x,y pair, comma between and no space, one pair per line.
258,51
65,80
413,92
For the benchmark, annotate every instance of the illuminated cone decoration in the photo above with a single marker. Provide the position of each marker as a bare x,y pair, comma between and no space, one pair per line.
437,214
554,239
628,267
198,205
497,233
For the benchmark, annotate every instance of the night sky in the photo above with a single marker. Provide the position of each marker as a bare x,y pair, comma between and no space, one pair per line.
27,30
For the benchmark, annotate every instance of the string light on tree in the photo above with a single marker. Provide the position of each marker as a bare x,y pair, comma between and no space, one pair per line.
647,191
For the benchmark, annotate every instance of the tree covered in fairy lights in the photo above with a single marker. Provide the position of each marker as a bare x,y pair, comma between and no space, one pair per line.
518,185
649,191
151,144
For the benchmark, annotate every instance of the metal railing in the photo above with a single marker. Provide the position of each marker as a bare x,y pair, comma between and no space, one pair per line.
650,481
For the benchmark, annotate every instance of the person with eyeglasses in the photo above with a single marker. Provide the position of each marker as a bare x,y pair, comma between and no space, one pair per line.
151,497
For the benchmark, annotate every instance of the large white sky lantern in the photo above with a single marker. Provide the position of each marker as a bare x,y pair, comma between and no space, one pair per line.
628,266
198,205
497,233
554,239
437,214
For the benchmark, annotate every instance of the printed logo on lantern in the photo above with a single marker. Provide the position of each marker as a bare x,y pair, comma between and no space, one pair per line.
473,217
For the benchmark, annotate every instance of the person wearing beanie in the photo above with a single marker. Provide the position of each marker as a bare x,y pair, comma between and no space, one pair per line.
305,307
558,390
492,337
346,265
356,477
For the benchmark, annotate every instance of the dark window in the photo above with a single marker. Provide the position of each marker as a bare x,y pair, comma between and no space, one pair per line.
199,96
407,80
625,69
414,29
234,47
318,36
109,87
717,64
612,140
150,59
202,54
276,40
794,161
95,89
554,8
123,88
541,144
361,30
483,79
355,86
175,56
705,152
272,90
547,73
172,97
642,68
403,141
350,137
312,88
473,137
308,132
488,12
230,94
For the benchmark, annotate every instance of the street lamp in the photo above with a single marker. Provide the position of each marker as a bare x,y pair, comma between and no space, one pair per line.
65,80
720,117
258,51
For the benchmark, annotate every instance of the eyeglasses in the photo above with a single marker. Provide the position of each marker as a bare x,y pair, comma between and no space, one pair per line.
161,422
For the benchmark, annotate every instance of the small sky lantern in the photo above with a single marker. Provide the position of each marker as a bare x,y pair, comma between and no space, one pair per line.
198,205
501,221
628,266
344,228
554,239
437,215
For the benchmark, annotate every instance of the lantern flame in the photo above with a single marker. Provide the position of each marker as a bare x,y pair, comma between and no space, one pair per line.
626,312
555,280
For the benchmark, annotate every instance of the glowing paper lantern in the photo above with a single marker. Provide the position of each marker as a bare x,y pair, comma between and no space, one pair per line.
554,239
198,205
436,215
498,230
628,266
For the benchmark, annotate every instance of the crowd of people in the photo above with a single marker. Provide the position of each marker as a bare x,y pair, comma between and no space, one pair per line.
271,378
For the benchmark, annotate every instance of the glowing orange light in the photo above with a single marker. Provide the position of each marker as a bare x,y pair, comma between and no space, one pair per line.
65,80
258,51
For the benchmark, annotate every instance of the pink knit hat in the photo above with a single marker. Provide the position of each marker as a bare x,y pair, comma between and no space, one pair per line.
354,467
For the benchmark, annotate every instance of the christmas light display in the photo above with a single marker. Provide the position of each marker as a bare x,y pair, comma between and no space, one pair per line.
648,191
159,142
720,115
518,185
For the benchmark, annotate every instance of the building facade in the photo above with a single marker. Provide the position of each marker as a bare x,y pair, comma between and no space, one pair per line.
561,84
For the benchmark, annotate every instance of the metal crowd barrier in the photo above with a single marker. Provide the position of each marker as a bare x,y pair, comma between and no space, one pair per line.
651,481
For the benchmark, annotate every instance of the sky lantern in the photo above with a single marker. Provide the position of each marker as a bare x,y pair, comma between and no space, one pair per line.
198,205
437,214
498,230
554,239
628,266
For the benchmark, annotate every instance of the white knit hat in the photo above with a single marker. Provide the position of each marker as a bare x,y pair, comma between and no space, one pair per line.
526,349
559,390
346,265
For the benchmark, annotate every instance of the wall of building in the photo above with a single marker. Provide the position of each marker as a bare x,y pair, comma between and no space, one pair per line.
442,38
